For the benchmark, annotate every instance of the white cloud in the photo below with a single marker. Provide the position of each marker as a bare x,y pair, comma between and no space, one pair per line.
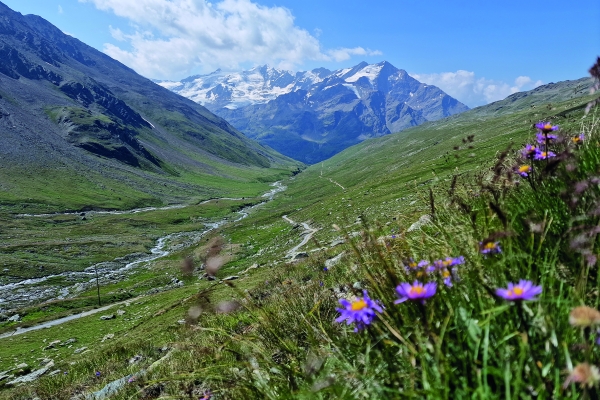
171,38
344,54
60,9
474,91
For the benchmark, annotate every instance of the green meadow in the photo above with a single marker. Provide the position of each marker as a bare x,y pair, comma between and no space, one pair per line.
271,332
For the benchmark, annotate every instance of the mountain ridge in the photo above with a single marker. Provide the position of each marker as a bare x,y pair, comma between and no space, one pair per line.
311,115
65,105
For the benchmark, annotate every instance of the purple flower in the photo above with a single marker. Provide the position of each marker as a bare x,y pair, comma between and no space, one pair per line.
98,374
529,151
415,291
524,170
579,138
542,155
489,247
541,137
546,127
325,269
524,290
207,396
448,276
361,311
411,265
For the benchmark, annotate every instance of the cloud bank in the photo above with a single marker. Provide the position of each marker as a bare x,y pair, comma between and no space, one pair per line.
473,91
171,38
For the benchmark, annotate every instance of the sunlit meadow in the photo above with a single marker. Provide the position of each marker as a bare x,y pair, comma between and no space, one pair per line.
494,295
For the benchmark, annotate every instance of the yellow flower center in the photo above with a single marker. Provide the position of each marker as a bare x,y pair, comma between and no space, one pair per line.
548,126
445,263
518,291
576,139
490,246
445,274
524,168
358,305
417,290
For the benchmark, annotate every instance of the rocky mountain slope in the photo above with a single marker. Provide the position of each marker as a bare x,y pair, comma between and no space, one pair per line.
313,115
69,110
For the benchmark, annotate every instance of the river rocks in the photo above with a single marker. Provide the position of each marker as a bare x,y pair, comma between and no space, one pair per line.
14,318
136,359
31,376
120,312
69,342
231,278
52,344
80,350
424,220
337,242
107,317
107,337
334,261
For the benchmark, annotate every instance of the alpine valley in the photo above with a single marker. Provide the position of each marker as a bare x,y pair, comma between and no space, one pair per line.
155,245
312,115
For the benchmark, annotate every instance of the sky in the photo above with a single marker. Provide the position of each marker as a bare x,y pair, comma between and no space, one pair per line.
477,51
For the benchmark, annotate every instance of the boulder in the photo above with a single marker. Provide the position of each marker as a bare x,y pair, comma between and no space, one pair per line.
107,317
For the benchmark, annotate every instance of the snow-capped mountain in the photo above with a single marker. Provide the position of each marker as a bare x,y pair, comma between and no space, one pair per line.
239,89
313,115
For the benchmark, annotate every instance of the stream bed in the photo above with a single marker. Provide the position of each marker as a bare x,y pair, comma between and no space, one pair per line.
33,291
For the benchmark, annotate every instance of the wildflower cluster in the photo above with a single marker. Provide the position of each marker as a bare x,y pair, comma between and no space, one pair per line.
544,138
445,267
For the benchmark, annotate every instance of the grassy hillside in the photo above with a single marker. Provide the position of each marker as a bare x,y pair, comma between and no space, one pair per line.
466,342
82,130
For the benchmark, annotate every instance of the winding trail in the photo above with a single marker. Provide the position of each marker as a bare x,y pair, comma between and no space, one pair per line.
308,234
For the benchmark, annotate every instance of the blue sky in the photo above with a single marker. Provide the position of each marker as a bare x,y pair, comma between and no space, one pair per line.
478,51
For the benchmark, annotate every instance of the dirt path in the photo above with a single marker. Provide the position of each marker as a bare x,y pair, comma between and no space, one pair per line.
308,234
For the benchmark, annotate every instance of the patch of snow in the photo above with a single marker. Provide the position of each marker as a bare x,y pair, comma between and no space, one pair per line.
370,72
351,87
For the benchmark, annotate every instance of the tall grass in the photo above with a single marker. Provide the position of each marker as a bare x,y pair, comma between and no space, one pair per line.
463,342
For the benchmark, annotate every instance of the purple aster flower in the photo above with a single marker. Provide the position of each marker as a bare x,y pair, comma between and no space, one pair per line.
523,170
489,247
361,311
524,290
98,374
207,396
412,266
529,151
546,127
542,155
541,137
415,291
449,276
325,269
448,262
579,138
